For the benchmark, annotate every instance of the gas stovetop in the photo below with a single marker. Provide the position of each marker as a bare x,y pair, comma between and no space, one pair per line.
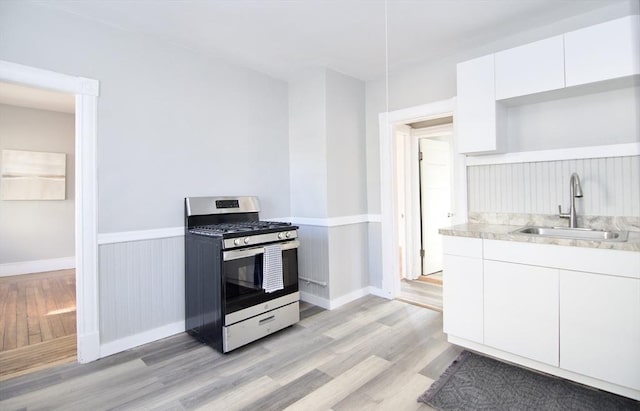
239,229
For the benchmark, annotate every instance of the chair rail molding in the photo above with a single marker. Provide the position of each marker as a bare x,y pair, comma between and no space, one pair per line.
86,92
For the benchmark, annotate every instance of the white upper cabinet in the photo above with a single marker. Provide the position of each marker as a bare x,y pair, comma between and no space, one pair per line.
604,51
529,69
476,125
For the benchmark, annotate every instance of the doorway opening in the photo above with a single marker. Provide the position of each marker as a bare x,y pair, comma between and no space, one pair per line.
401,236
425,181
85,93
37,201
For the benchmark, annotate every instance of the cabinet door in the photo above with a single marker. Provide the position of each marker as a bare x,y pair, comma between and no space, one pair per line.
462,297
604,51
475,117
600,327
521,310
529,69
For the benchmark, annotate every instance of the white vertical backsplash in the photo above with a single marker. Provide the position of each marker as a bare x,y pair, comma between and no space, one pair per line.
611,187
141,286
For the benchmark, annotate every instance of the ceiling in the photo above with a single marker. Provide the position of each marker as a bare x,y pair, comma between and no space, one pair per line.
282,37
22,96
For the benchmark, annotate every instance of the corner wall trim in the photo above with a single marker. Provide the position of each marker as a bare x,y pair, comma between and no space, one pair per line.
145,337
37,266
337,221
126,236
140,235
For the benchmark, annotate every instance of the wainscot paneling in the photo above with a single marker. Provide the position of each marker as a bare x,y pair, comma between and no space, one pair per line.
609,185
313,259
141,286
348,259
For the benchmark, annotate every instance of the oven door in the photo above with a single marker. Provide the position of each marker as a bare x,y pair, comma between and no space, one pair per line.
242,276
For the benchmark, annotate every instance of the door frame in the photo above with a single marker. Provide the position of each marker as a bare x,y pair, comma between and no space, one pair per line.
389,189
86,93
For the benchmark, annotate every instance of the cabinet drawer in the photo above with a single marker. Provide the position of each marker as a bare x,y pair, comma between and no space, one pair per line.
251,329
462,246
593,260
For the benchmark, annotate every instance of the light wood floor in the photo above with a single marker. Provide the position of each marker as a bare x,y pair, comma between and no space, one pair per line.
36,308
424,293
37,321
371,354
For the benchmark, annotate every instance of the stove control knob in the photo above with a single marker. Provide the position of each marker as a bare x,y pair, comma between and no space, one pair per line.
279,236
246,240
288,234
236,241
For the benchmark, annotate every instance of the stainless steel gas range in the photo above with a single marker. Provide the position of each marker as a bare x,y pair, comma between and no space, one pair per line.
241,274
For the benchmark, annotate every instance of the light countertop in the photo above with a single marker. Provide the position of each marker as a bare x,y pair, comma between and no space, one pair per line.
503,232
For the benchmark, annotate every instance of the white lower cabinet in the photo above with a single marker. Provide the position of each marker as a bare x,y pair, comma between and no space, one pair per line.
462,297
521,310
535,305
600,327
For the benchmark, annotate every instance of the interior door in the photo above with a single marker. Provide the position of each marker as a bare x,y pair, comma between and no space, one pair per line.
435,200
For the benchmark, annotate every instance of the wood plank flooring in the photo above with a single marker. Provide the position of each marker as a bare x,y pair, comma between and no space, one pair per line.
37,321
371,354
35,308
423,293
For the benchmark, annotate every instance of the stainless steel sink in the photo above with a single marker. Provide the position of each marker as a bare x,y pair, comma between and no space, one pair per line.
574,233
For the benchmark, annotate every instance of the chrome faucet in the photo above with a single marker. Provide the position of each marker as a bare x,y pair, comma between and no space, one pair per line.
575,190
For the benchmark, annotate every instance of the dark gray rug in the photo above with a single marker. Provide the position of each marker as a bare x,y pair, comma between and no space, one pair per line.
474,382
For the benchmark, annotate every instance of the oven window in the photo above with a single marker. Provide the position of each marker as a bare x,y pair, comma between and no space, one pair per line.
243,280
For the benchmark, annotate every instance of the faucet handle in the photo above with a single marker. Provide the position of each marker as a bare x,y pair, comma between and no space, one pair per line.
561,214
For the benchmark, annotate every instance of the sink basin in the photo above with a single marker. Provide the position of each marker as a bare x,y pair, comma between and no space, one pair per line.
574,233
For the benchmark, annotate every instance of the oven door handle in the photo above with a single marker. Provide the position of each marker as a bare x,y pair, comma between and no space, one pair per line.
251,252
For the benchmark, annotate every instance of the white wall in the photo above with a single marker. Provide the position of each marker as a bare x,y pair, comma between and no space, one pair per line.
346,152
610,117
171,123
328,171
38,230
308,144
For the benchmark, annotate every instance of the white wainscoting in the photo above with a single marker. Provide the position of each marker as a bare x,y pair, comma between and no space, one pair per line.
141,288
37,266
313,261
142,280
610,186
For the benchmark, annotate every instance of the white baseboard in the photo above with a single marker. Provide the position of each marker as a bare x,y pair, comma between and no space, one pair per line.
347,298
146,337
88,347
379,292
342,300
315,300
37,266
